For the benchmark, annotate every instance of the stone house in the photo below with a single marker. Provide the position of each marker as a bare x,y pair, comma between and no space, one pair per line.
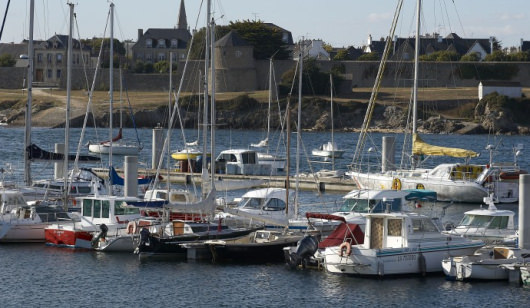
156,44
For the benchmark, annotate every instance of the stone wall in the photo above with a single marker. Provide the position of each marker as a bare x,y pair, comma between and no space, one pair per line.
357,74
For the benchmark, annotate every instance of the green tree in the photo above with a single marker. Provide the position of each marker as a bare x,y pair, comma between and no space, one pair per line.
471,57
7,60
372,56
342,55
315,82
161,67
521,56
118,47
496,56
266,40
441,56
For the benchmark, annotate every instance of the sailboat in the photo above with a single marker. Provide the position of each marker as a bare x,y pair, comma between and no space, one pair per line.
119,146
329,149
266,158
459,182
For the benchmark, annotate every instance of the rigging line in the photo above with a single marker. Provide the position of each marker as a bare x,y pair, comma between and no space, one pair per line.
371,105
173,113
90,96
140,145
4,20
83,59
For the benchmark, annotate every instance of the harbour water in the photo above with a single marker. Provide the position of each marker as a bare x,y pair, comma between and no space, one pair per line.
36,275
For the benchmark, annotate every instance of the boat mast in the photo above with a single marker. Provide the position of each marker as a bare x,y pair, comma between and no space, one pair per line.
269,110
169,118
27,132
332,128
68,98
204,174
111,89
299,124
212,112
415,83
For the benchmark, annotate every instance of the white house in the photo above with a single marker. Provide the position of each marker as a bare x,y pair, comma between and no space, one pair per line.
507,88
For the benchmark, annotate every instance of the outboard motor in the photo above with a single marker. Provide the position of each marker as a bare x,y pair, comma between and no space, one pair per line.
101,235
145,236
305,249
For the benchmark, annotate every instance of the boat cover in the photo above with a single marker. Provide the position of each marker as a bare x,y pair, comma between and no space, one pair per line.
420,194
420,147
118,180
34,152
324,216
344,232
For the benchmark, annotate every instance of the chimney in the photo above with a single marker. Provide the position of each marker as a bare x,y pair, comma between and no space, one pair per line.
140,33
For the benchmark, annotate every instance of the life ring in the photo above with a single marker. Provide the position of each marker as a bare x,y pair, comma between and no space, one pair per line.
420,186
396,184
131,227
347,246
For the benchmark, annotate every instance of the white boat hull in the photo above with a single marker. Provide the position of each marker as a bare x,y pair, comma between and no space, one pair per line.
461,268
447,190
394,261
328,154
117,149
20,233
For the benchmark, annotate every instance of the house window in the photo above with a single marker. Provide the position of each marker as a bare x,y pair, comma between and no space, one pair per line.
49,58
39,58
161,43
149,43
49,74
58,74
148,57
173,56
59,58
161,56
174,43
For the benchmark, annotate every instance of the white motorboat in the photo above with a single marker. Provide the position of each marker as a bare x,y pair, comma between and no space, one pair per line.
484,264
397,244
491,225
245,162
328,150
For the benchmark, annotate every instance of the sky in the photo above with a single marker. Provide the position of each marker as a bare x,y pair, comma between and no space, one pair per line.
340,23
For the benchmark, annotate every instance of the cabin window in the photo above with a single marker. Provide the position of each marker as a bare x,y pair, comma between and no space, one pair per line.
499,222
394,227
251,203
475,220
83,189
121,208
97,208
87,207
105,209
357,205
275,205
248,158
423,225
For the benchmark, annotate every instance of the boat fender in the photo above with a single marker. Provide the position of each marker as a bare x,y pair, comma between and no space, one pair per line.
396,184
422,265
345,246
131,227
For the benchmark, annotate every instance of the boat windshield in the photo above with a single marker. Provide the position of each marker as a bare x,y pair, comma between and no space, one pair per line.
121,208
370,206
251,203
423,225
480,221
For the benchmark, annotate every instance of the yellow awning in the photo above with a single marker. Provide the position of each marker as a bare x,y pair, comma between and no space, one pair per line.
419,147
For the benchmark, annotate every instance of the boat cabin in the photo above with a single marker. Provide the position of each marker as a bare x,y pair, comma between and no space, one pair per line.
241,161
379,201
266,199
96,210
395,230
465,172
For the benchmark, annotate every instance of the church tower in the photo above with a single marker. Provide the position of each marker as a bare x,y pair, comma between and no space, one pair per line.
182,22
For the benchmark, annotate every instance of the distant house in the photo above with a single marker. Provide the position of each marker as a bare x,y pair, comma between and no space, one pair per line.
404,47
156,44
374,46
507,88
313,49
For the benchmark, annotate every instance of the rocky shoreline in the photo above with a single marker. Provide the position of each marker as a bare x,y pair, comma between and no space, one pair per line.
494,114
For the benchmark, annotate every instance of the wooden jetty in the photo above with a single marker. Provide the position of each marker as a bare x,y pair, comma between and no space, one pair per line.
306,182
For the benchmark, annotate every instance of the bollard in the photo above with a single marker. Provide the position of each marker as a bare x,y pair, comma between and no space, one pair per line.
131,176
